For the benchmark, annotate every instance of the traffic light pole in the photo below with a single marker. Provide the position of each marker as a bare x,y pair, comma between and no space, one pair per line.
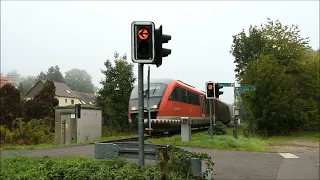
140,114
211,127
214,113
149,113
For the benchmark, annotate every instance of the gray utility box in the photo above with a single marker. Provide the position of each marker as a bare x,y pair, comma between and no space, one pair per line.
70,129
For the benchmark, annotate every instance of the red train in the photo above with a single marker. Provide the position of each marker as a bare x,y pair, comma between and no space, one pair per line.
172,99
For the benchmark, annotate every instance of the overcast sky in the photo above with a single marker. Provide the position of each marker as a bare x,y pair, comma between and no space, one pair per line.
78,34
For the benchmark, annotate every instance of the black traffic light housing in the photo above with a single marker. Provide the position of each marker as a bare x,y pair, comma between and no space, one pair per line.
143,42
159,51
210,90
217,91
78,110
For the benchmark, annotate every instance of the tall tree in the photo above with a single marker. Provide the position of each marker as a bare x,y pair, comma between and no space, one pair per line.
25,85
52,74
15,75
42,105
282,102
79,80
115,93
10,105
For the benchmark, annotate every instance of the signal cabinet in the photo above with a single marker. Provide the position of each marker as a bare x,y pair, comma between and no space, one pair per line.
71,130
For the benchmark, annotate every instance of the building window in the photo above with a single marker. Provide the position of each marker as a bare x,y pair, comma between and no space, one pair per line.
65,100
72,101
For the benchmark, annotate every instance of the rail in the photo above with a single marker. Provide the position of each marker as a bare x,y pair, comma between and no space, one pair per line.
159,153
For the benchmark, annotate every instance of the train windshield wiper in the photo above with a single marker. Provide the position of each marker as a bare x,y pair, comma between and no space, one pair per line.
147,91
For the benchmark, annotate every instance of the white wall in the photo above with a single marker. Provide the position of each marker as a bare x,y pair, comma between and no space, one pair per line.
89,126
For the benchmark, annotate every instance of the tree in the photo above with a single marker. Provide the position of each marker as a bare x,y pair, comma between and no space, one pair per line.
25,85
79,80
42,105
271,37
10,105
114,96
275,58
15,75
53,74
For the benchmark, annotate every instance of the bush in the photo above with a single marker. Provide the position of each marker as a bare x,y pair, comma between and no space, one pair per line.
179,163
32,132
22,167
219,128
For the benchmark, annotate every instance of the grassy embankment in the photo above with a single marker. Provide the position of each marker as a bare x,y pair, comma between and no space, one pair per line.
107,136
228,142
201,140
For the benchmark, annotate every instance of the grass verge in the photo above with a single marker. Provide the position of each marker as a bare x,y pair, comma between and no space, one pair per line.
228,142
51,145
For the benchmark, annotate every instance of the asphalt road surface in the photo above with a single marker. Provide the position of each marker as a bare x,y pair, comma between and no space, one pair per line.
228,164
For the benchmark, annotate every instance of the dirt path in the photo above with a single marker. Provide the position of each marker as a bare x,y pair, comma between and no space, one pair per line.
293,146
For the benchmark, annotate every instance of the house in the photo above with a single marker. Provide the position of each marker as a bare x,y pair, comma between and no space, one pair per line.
86,98
8,80
64,94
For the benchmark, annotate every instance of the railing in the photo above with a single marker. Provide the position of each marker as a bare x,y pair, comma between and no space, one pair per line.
159,153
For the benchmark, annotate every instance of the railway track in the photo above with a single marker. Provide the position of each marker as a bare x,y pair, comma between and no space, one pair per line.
133,139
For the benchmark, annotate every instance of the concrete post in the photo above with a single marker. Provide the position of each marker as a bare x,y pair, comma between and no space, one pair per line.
185,129
196,167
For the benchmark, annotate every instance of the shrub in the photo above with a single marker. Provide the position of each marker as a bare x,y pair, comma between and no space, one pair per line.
22,167
32,132
179,163
219,129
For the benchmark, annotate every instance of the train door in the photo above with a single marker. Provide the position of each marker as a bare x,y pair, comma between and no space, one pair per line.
203,106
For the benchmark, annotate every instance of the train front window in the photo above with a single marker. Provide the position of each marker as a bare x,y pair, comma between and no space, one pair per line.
156,90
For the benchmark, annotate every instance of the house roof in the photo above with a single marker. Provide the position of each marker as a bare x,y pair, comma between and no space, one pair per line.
62,90
86,97
7,80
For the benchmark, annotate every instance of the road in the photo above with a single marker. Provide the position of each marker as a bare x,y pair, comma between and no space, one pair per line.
228,164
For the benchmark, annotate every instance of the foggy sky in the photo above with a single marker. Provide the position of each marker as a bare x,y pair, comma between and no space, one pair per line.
78,34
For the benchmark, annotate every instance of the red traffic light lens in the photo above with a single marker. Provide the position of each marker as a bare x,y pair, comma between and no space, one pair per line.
210,86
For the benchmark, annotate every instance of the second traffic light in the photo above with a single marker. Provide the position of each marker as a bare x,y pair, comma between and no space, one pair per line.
159,51
217,91
210,90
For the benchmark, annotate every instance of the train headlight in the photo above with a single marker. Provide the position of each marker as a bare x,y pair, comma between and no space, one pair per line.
155,106
133,108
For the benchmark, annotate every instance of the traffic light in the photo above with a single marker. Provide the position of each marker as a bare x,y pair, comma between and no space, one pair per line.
210,90
217,91
161,52
142,40
78,110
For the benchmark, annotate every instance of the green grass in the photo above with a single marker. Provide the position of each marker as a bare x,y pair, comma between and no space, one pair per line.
228,142
276,140
51,145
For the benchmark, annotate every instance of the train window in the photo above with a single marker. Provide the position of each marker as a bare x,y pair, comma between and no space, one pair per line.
173,95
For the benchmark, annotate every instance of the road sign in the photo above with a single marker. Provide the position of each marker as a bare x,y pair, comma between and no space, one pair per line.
143,34
246,88
243,89
226,84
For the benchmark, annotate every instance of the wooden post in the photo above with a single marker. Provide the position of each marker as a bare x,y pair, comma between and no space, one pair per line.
163,162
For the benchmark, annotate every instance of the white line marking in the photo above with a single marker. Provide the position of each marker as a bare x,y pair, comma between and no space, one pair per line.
288,155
